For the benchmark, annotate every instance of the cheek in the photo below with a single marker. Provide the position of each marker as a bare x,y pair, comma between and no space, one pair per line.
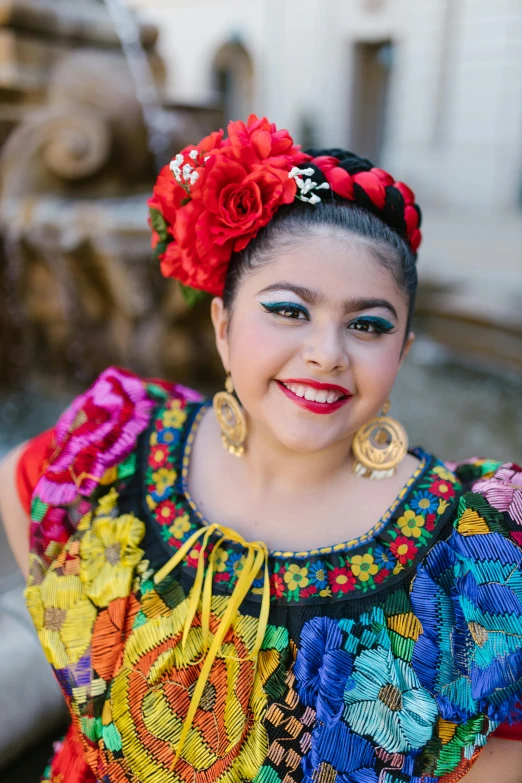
376,365
257,353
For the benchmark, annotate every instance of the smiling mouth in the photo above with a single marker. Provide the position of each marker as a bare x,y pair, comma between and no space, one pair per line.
325,399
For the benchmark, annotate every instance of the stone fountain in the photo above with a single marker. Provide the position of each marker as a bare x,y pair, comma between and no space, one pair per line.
83,128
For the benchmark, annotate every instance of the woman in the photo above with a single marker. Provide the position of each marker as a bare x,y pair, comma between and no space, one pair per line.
223,591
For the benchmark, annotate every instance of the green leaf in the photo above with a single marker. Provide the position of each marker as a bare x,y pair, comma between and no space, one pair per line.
191,295
158,224
160,249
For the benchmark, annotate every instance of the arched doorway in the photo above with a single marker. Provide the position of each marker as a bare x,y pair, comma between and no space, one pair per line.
233,80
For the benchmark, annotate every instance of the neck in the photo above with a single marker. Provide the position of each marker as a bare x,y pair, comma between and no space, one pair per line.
269,465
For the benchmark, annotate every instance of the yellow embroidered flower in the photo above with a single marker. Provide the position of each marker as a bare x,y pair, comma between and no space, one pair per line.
174,416
363,567
163,479
180,526
443,505
443,473
109,553
63,616
325,593
221,560
411,524
296,577
399,567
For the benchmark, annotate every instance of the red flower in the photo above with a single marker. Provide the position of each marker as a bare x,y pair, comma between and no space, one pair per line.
158,456
306,592
404,549
430,522
381,576
443,489
277,585
240,183
193,555
166,512
341,580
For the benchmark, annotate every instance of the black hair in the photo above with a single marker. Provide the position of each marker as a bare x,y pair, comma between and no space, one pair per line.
291,222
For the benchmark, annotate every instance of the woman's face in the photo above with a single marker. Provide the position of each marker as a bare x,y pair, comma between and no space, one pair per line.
314,341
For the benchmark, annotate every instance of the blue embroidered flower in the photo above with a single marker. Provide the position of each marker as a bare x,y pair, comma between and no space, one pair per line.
322,668
388,702
169,436
424,502
317,575
468,596
384,557
338,754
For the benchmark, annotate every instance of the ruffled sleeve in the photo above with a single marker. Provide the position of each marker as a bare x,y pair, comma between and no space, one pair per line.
31,465
468,596
94,444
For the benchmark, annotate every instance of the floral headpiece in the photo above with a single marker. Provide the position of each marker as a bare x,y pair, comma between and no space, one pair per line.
214,197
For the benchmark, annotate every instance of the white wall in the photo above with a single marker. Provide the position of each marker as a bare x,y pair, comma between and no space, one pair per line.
454,129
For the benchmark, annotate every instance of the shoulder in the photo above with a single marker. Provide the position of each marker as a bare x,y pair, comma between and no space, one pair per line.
94,447
467,593
99,430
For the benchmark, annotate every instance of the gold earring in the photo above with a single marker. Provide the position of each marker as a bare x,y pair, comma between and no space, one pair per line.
379,446
231,419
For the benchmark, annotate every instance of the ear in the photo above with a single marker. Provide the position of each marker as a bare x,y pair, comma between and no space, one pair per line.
220,323
407,345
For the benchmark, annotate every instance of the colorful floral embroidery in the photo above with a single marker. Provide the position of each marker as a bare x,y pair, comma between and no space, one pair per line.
109,553
407,689
336,572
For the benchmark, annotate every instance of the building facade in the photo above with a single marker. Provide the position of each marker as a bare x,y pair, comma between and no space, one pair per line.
431,89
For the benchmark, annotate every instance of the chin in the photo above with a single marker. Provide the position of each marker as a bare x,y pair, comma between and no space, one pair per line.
305,440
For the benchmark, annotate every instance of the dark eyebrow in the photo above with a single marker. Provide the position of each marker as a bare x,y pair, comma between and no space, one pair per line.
315,298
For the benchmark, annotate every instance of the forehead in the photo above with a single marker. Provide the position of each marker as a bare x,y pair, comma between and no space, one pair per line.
335,265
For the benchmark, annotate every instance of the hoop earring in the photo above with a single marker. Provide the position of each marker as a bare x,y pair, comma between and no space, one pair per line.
231,419
379,446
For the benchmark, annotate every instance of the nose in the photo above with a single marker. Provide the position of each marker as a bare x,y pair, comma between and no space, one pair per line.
325,349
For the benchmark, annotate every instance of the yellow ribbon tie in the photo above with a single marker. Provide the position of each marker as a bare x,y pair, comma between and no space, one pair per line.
256,559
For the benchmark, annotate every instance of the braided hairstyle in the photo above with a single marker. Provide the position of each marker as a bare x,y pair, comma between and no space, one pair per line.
363,201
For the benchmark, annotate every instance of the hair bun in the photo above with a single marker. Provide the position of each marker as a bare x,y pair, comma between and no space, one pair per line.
356,179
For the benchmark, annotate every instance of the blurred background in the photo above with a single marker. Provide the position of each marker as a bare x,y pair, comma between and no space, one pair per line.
96,95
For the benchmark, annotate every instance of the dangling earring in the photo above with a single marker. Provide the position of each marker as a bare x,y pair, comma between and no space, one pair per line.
231,419
379,446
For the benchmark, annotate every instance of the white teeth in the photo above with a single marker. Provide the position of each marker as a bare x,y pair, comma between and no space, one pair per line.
313,395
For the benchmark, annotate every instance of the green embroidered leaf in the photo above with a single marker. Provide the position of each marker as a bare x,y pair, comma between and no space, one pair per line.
38,509
158,224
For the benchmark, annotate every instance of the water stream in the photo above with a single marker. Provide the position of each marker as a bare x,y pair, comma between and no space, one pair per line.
156,121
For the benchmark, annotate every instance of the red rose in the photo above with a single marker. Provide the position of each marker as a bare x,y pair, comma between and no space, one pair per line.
232,189
264,138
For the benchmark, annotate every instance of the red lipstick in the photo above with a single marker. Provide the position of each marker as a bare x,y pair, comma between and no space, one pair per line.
311,405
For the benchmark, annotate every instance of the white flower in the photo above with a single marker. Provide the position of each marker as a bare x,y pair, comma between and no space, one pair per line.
207,158
193,177
305,186
194,154
176,170
179,159
186,170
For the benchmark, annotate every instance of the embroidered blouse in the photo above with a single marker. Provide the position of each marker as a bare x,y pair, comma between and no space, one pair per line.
189,655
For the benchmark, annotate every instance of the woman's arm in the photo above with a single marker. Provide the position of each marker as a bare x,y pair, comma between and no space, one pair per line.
499,762
12,513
